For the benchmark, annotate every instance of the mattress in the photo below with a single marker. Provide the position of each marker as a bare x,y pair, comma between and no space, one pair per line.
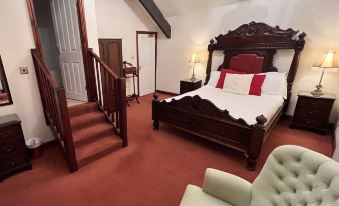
247,107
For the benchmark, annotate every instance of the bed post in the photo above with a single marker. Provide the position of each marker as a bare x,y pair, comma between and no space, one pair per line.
256,141
155,102
294,66
209,62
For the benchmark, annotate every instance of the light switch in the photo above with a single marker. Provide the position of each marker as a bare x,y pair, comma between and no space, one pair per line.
23,70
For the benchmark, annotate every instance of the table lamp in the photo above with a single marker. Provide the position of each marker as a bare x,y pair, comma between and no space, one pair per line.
194,60
328,63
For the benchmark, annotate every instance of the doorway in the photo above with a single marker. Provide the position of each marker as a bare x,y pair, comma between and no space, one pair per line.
146,61
61,46
111,53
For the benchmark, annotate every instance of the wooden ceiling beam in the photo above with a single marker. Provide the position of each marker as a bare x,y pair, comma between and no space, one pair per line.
157,16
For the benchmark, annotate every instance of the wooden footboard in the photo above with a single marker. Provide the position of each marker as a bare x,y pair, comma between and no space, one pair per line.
202,118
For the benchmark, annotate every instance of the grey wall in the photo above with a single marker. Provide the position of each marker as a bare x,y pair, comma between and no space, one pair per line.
48,40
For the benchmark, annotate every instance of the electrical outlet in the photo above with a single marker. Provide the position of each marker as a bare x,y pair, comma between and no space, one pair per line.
23,70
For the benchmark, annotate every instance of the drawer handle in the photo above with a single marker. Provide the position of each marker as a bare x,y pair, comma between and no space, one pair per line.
9,149
308,121
4,134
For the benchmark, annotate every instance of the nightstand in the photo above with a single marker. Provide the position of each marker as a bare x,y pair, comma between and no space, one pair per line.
187,85
313,112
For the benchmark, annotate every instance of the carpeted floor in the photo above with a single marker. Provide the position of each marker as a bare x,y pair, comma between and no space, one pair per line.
153,170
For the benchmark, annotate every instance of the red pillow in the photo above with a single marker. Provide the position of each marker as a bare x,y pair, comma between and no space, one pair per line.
220,83
257,82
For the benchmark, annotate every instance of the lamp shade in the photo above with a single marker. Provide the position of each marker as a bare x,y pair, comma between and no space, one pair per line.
195,58
327,61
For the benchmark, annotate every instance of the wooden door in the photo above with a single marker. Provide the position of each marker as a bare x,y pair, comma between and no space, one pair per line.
111,53
146,62
66,27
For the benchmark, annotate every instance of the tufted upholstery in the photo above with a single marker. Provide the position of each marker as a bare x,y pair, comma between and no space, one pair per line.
294,175
291,176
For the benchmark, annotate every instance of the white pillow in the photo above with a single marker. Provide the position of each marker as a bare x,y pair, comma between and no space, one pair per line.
238,83
275,84
214,77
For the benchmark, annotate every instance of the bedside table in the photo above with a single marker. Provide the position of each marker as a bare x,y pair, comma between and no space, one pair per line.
187,85
312,112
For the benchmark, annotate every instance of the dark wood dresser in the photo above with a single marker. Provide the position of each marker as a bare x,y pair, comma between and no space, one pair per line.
13,151
187,85
313,112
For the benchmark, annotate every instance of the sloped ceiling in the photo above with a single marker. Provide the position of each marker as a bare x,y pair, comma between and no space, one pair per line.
178,7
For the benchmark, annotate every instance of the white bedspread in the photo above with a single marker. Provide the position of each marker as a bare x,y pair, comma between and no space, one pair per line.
247,107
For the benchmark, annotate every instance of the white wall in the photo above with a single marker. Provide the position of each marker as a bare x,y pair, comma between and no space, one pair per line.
120,19
192,32
91,24
16,40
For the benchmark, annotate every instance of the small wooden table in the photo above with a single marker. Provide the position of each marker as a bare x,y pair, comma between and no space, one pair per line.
187,85
313,112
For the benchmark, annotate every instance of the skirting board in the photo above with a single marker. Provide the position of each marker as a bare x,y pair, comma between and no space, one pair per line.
166,93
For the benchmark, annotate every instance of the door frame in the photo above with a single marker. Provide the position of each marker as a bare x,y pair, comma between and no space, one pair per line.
156,55
89,74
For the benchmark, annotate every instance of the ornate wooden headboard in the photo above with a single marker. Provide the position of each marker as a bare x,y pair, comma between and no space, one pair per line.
251,48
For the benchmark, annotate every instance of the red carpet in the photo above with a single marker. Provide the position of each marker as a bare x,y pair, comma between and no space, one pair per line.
153,170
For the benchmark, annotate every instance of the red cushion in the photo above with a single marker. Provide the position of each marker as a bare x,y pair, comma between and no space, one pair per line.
256,84
220,83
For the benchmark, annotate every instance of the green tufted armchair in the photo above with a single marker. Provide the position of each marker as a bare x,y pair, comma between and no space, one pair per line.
291,176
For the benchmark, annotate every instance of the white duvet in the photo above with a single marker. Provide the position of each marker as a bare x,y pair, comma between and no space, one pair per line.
247,107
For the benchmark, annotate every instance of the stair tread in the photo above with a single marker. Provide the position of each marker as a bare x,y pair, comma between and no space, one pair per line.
94,131
97,149
86,120
81,109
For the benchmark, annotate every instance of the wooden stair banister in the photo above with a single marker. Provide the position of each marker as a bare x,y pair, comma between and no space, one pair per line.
55,109
110,94
157,16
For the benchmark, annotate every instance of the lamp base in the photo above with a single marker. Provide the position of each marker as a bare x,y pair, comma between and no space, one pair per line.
318,92
193,79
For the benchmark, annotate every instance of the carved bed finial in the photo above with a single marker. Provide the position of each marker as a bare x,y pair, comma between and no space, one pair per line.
261,120
155,96
302,36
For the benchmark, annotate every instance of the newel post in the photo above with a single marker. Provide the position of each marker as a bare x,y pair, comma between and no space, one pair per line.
66,132
91,87
122,111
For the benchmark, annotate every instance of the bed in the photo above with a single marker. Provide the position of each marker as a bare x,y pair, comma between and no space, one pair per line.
205,113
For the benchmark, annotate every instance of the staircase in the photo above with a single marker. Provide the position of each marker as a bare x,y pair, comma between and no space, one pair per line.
91,130
93,135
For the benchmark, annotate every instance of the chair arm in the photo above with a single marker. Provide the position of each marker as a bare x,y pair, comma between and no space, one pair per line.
227,187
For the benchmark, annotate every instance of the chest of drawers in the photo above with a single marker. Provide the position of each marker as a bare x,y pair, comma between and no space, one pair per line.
13,151
313,112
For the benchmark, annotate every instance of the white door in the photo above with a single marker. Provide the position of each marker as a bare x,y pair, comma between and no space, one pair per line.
146,47
66,27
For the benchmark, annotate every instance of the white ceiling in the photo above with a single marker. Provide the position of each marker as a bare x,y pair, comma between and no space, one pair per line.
178,7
